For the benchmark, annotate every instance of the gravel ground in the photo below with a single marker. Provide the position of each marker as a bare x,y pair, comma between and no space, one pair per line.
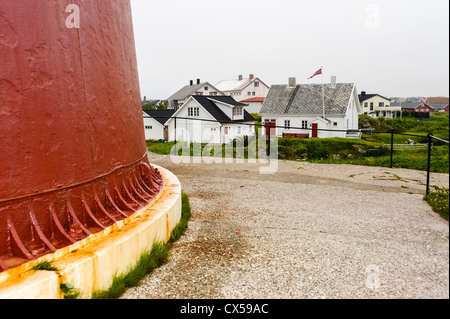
307,231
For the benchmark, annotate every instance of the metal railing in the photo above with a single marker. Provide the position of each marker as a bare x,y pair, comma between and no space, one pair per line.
430,137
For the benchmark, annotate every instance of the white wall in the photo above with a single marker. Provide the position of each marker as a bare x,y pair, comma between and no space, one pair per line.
253,107
260,91
296,121
156,132
237,131
194,130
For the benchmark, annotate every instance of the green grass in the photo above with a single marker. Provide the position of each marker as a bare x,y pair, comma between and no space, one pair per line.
439,201
149,260
367,151
45,265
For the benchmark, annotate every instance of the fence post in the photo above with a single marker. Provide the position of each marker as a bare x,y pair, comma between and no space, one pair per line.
429,162
392,148
268,146
175,135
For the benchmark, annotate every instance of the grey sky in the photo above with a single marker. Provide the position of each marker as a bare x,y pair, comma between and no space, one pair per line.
390,47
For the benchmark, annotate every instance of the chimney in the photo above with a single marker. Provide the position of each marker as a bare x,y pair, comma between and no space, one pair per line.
363,93
192,83
240,77
198,81
251,76
333,81
292,82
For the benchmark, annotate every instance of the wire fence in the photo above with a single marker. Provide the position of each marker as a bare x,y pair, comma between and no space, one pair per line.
269,126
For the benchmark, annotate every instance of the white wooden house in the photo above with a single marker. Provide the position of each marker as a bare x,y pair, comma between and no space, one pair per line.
155,124
304,110
243,88
210,119
200,88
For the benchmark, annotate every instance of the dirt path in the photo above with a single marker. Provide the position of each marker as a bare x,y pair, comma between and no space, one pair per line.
307,231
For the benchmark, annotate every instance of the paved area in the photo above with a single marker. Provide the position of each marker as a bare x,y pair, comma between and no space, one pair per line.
307,231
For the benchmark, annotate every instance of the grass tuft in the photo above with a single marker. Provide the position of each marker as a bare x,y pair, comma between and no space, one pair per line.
45,265
439,201
149,260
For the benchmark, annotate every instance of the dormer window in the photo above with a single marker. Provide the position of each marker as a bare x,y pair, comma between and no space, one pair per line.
237,111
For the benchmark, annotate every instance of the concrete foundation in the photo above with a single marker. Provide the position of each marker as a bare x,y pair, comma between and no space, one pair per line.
91,263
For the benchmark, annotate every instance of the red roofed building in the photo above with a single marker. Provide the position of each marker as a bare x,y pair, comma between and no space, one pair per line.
254,104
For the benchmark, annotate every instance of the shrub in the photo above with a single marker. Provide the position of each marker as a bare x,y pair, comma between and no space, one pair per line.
439,201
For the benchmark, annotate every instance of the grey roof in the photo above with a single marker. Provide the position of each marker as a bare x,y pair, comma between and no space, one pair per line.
438,106
307,99
188,90
407,105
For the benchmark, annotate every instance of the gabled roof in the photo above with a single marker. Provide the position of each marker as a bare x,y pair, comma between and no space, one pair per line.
307,99
160,115
188,90
209,104
438,106
236,85
363,96
255,99
437,100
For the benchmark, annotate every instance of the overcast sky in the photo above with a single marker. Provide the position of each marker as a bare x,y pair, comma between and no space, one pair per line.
389,47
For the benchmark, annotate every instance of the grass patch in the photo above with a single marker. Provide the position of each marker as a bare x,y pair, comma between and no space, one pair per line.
69,291
45,265
149,260
438,200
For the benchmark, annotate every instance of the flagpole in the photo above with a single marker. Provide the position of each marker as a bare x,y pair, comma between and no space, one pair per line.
323,96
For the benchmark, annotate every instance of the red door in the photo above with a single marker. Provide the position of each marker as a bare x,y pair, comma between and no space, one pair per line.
270,125
315,126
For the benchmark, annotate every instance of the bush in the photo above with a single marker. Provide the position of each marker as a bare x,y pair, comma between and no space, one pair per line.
439,201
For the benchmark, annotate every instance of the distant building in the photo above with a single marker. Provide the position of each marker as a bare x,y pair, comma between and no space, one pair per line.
422,107
253,104
176,100
376,105
437,100
210,119
155,124
299,110
244,88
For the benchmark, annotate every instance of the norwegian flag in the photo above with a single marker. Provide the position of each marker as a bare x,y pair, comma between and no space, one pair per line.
317,73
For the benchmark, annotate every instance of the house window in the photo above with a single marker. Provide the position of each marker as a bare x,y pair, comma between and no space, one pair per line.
226,130
237,111
253,93
335,124
381,104
206,88
366,104
287,124
239,130
148,127
213,93
256,84
249,93
198,93
371,106
304,124
193,111
213,129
